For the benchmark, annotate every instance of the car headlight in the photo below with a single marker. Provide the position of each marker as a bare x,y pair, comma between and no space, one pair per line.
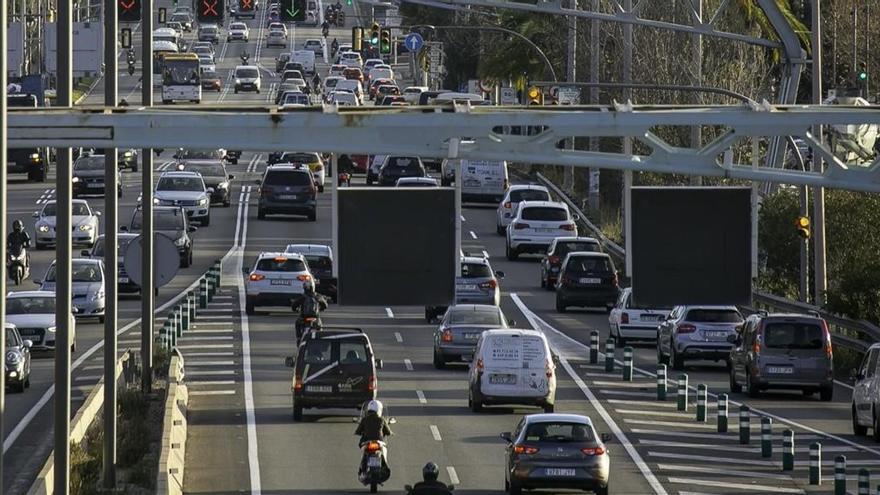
238,81
43,228
128,154
35,157
51,329
74,180
203,202
156,201
85,227
97,296
14,358
223,185
180,241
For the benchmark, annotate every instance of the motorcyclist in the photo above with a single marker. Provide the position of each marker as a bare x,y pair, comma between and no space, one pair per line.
325,28
316,83
373,428
18,239
245,56
429,484
338,6
310,306
334,46
346,166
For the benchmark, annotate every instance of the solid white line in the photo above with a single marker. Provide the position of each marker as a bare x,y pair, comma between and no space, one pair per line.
209,323
724,471
640,403
210,372
206,346
210,382
421,395
435,432
389,312
219,330
673,424
740,486
211,392
453,476
627,393
209,363
222,337
621,436
398,337
408,364
87,378
655,413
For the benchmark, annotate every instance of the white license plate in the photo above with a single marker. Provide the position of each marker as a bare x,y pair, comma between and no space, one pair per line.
715,335
472,335
279,281
466,287
95,186
323,389
781,370
559,471
591,280
545,230
124,280
649,317
287,196
374,462
503,379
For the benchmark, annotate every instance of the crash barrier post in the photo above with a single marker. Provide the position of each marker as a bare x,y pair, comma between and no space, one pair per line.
594,347
788,450
815,463
722,413
702,393
840,475
864,482
184,312
661,382
744,431
218,269
609,355
203,292
681,393
164,335
178,320
766,436
627,364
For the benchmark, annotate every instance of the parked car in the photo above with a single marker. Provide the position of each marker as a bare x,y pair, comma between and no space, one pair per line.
697,332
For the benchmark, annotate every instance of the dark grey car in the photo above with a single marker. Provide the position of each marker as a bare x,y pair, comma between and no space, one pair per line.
782,351
17,360
456,337
216,177
478,284
172,222
396,167
287,189
697,332
124,283
88,177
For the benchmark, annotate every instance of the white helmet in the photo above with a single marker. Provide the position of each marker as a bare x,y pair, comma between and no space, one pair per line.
375,406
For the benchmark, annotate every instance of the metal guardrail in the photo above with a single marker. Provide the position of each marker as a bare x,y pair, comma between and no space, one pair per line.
852,334
169,476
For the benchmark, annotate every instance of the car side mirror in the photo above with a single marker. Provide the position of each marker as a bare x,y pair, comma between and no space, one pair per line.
37,281
210,190
124,228
289,362
97,213
606,437
85,252
35,214
575,217
499,274
379,364
231,177
506,436
74,311
192,228
28,343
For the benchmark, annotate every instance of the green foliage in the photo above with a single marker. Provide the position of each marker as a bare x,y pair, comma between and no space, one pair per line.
134,428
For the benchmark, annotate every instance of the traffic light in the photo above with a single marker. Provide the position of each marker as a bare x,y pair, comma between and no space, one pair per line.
385,41
293,10
211,11
862,76
357,38
536,97
163,15
125,38
245,5
130,10
374,34
803,226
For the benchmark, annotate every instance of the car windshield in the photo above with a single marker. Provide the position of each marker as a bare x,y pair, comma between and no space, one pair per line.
238,25
122,244
794,335
162,220
30,305
180,184
318,351
206,169
714,316
563,248
318,262
545,213
518,195
298,157
246,73
94,162
287,178
468,317
81,272
475,270
199,154
281,264
77,209
586,264
559,432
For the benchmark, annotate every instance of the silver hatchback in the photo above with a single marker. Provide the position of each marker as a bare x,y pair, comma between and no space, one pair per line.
478,284
697,332
456,337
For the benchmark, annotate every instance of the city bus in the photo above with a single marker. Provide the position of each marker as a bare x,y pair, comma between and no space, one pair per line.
181,78
160,49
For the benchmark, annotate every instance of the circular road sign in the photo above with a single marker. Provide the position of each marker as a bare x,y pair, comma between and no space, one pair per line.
166,259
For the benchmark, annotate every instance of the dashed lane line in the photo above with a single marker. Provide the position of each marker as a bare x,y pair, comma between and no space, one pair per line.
408,364
649,422
211,392
421,396
205,346
656,413
398,337
209,372
453,476
389,313
209,363
211,383
435,432
627,393
473,235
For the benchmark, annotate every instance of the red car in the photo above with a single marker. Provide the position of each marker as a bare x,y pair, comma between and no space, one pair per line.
360,162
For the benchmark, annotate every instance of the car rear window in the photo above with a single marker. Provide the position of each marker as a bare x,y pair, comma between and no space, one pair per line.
468,317
563,248
318,352
287,178
559,432
528,195
299,157
475,270
589,265
352,351
545,213
794,335
403,162
281,264
319,262
246,73
714,316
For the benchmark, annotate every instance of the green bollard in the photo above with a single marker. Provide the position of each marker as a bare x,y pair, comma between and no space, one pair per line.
840,475
627,364
864,482
661,382
788,450
184,312
178,320
203,293
609,355
681,394
745,432
702,395
219,267
722,413
594,347
766,437
815,463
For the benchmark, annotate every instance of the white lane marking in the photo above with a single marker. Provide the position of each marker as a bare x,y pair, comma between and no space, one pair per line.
485,254
210,363
216,330
435,432
649,422
87,378
208,354
209,323
462,218
655,413
627,393
723,472
408,364
213,317
712,436
211,392
207,383
652,480
398,337
221,298
728,448
222,337
453,476
703,458
739,486
421,395
389,313
208,346
473,236
215,310
93,367
640,403
209,372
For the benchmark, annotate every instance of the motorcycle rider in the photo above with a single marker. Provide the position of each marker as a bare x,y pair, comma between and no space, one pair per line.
373,428
17,240
429,484
325,28
310,306
316,83
334,46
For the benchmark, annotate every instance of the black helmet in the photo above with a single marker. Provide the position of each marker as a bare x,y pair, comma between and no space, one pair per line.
17,226
430,472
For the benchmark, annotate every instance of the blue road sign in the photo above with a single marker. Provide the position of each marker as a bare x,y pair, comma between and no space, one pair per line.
414,42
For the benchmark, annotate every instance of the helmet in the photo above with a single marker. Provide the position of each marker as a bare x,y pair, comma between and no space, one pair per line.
430,472
375,406
17,226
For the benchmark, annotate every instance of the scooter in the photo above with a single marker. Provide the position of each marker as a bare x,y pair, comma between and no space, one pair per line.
344,179
307,324
16,266
374,468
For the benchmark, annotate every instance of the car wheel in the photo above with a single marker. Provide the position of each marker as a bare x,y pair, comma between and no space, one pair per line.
297,412
39,246
751,388
261,214
73,347
826,393
369,180
226,204
512,253
515,487
206,221
313,215
677,361
27,381
236,90
187,259
602,490
100,319
560,306
439,362
543,282
249,308
134,168
499,229
549,408
474,403
858,430
619,342
19,387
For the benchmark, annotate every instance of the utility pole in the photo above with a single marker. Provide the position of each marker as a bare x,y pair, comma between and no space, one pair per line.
147,205
3,163
855,42
697,131
571,76
627,141
593,194
820,280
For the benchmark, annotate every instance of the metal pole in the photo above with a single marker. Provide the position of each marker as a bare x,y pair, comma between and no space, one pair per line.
855,41
697,131
334,214
147,205
453,155
571,76
804,247
819,273
63,316
3,164
627,143
593,191
111,204
867,49
755,202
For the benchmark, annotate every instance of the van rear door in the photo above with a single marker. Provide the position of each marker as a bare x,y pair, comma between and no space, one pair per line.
484,178
533,374
502,355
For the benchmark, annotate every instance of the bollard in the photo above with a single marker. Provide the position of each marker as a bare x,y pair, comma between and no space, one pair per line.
163,335
840,475
766,436
210,288
815,463
661,382
787,450
193,303
203,293
171,322
722,413
609,355
681,394
184,312
702,393
594,347
864,482
173,339
744,431
219,269
627,364
178,320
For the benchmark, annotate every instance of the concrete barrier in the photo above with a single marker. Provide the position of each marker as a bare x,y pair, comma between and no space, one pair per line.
169,477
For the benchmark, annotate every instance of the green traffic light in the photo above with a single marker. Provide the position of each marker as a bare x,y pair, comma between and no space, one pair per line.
863,75
374,40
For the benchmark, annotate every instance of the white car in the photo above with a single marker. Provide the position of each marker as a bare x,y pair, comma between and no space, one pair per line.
370,63
206,63
411,94
417,182
278,26
247,78
866,395
87,287
276,279
186,190
630,322
330,83
84,222
350,59
33,313
238,31
314,45
276,38
344,99
536,224
516,194
336,70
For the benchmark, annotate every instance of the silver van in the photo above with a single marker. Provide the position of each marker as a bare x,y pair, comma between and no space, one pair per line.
482,180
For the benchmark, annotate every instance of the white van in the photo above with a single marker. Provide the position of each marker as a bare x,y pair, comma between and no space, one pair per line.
512,366
411,94
352,85
306,58
482,180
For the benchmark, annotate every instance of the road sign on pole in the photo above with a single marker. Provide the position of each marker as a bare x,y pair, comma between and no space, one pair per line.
568,95
414,42
166,260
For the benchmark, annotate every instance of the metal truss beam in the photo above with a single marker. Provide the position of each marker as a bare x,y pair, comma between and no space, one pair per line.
487,133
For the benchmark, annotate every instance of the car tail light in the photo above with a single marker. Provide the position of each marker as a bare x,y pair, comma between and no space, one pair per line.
828,350
569,227
554,260
624,318
256,277
373,447
304,277
446,336
614,280
548,368
479,364
593,450
297,382
520,226
491,284
525,449
508,205
685,328
371,383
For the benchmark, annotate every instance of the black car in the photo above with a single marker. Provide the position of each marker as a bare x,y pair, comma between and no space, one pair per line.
333,368
587,279
319,259
31,161
396,167
88,177
280,60
560,247
125,158
288,189
124,284
214,174
18,360
173,223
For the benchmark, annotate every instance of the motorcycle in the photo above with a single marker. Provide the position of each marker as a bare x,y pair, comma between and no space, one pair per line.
409,489
344,179
306,324
16,266
374,469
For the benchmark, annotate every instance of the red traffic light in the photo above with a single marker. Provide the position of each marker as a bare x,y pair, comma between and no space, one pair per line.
129,10
210,10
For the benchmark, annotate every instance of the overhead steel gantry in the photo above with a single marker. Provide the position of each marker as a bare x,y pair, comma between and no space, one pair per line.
483,132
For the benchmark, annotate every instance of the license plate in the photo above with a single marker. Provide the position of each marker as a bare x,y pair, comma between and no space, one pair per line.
715,335
545,230
559,471
781,370
323,389
472,335
95,185
287,196
124,280
466,287
502,379
591,280
650,317
277,281
374,462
